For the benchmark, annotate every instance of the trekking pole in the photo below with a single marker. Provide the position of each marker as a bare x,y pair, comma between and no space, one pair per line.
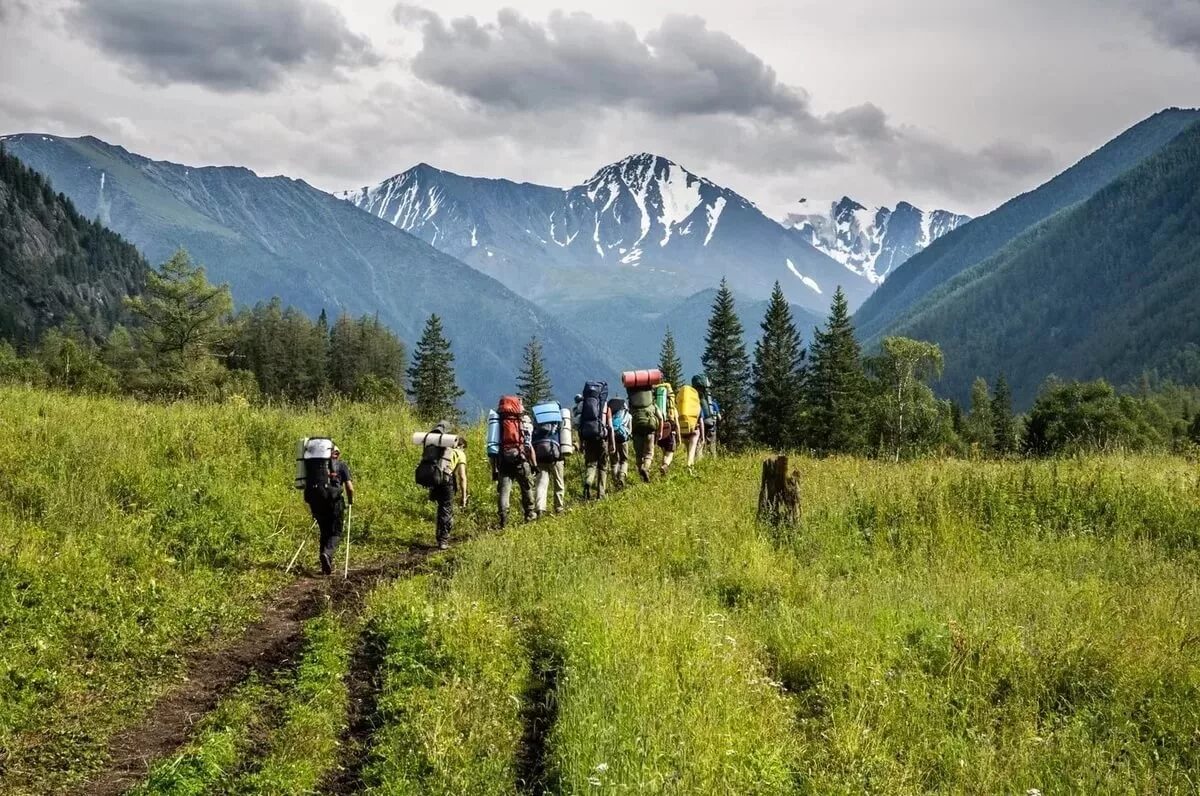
303,542
349,519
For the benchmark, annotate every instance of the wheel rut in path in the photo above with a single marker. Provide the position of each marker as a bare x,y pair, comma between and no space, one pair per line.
535,770
363,686
266,646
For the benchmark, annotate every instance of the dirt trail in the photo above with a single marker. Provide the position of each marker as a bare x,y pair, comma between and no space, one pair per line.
265,646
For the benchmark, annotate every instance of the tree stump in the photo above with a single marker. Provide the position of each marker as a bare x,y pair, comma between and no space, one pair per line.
779,494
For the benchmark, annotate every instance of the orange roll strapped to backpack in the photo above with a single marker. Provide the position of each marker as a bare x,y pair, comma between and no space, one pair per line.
641,379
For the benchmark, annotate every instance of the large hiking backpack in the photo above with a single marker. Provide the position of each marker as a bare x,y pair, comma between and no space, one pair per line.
622,424
316,461
547,431
434,469
687,401
512,437
591,411
701,383
646,419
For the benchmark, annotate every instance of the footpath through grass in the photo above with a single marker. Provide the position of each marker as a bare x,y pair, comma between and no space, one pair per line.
957,626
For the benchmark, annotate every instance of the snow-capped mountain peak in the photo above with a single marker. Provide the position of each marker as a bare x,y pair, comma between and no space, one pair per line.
870,242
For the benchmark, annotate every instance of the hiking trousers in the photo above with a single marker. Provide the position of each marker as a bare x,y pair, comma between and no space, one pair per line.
643,449
329,518
692,441
522,474
443,496
621,464
552,472
595,473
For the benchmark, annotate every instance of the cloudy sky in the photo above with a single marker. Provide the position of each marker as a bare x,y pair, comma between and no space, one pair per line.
947,103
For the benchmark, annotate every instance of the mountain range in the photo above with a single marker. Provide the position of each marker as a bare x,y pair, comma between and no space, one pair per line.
274,236
871,243
641,226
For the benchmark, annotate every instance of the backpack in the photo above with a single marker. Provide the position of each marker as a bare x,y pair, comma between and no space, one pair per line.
317,463
687,401
621,421
434,469
547,431
701,383
591,411
646,419
512,437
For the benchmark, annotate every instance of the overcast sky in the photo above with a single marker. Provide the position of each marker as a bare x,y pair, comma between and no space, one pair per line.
945,103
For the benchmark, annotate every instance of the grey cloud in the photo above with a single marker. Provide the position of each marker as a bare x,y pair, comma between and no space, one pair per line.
575,59
220,44
1176,22
13,9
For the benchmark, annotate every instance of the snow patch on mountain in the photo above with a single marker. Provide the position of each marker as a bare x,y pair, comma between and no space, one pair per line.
812,283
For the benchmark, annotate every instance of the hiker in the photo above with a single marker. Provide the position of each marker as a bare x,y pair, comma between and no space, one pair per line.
691,425
668,437
516,460
622,427
328,489
710,413
595,437
647,424
443,471
550,451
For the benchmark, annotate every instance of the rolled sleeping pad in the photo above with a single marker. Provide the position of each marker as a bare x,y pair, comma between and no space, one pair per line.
566,440
300,479
424,438
641,379
318,448
549,412
493,433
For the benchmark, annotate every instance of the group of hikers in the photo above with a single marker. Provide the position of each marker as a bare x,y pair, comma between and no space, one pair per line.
529,450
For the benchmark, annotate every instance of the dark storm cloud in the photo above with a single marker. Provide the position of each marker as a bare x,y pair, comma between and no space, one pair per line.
221,44
1176,22
575,59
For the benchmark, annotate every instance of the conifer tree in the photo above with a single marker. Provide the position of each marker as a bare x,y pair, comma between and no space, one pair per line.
980,428
533,382
778,377
835,393
668,361
431,377
727,365
1003,423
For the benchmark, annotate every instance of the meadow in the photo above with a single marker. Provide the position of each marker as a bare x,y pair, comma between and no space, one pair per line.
931,626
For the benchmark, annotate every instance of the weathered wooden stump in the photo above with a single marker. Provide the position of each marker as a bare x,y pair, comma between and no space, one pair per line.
779,493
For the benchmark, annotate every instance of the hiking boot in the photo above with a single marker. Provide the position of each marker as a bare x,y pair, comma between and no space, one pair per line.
443,544
662,470
645,476
326,564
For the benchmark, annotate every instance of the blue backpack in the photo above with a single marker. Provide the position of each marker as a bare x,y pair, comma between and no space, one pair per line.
622,421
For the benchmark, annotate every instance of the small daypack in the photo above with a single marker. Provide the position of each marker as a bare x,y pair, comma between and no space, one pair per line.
645,414
512,437
622,425
591,411
547,431
687,401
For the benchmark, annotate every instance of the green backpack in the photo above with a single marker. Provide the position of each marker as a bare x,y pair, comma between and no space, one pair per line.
644,412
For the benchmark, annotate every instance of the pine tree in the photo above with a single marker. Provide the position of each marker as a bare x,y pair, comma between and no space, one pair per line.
1003,423
668,361
778,378
431,377
727,365
533,382
835,394
980,427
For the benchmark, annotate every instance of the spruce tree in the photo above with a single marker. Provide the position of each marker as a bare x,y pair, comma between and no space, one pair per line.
727,365
1003,423
432,387
980,427
835,393
533,382
668,361
778,377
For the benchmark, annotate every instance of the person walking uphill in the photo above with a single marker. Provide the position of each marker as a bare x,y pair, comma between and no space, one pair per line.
595,436
550,445
328,489
443,471
516,460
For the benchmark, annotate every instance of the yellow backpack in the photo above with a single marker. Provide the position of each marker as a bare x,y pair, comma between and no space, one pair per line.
687,400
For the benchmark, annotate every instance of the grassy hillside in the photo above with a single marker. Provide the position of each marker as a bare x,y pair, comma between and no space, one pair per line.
56,265
983,237
1106,289
930,627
